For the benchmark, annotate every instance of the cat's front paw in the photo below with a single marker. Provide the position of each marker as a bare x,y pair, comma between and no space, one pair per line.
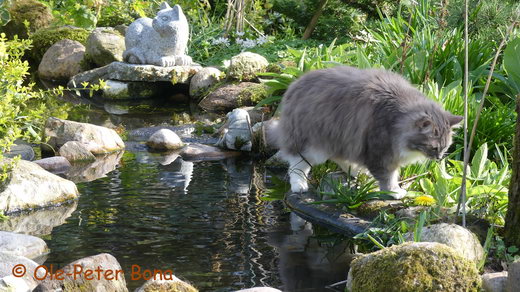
183,60
298,184
398,193
167,61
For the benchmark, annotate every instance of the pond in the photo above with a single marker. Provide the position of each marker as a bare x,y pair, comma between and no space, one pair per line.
203,220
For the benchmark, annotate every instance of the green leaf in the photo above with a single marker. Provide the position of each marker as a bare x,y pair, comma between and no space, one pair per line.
512,62
478,163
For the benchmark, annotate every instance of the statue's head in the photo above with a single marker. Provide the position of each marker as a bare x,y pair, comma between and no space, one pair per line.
168,19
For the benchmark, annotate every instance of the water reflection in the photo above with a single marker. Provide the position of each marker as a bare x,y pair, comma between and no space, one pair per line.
203,220
85,172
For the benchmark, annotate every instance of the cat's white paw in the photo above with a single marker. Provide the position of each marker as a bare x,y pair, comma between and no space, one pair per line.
398,193
298,184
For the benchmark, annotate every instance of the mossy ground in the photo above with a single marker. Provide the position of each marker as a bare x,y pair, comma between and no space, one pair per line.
35,13
43,39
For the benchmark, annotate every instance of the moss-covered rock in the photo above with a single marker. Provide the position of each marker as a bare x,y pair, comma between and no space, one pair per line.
246,65
169,283
417,266
251,95
43,39
230,96
37,14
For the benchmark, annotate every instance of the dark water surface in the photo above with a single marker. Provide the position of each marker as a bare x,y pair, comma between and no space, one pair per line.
203,220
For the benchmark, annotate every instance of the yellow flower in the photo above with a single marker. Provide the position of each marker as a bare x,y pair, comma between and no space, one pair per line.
424,200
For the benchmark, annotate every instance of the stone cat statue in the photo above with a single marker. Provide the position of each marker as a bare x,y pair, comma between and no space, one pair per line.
161,41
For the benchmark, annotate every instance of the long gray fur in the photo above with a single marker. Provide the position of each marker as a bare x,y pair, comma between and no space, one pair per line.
371,118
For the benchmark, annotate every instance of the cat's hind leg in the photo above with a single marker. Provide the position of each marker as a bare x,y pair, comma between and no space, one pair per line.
133,56
349,168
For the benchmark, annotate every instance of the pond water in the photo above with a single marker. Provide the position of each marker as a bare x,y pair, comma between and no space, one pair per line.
203,220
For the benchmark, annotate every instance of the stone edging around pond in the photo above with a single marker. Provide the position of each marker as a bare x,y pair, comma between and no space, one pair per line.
324,215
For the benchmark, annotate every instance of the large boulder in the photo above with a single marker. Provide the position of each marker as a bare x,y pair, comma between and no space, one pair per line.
30,187
104,46
9,264
131,72
203,80
22,245
237,133
455,236
164,139
112,282
417,266
125,90
62,60
97,139
37,14
76,151
168,283
246,65
230,96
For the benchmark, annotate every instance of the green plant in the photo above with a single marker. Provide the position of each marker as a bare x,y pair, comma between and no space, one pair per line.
351,194
3,217
22,109
384,231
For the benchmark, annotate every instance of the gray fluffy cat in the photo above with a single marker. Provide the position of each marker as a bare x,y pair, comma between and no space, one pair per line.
371,119
162,41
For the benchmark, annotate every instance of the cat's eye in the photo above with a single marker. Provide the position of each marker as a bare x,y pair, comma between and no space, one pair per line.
164,18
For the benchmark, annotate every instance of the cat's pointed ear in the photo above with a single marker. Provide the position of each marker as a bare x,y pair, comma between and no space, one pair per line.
165,5
454,120
423,123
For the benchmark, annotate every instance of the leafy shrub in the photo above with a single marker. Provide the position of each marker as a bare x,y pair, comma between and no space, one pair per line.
43,39
22,109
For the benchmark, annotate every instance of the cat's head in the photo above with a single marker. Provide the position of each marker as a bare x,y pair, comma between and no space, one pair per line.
167,19
430,130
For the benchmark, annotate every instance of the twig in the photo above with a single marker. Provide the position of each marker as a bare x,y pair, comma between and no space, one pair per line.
414,177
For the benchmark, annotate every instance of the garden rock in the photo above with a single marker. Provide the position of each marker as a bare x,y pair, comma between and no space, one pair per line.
97,139
115,282
203,80
25,151
85,172
417,266
22,245
120,71
104,46
56,164
75,151
167,283
201,152
236,134
454,236
30,186
62,60
38,222
8,282
494,282
34,12
164,139
513,278
246,65
231,96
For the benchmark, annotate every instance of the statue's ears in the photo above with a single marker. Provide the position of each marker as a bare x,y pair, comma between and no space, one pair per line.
165,5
